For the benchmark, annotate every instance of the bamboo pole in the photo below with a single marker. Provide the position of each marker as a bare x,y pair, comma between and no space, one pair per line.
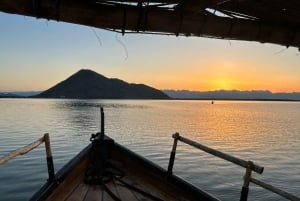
173,153
222,155
26,149
102,123
49,158
274,189
197,6
47,145
21,151
247,177
154,20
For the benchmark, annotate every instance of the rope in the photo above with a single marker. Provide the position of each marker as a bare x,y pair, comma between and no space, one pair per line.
103,170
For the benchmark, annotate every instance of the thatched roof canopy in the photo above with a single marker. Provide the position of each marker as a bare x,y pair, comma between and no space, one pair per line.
265,21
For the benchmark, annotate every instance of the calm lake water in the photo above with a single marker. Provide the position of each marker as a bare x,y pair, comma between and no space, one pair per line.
267,133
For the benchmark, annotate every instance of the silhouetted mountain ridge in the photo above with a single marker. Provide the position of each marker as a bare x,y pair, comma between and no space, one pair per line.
87,84
8,95
18,94
232,95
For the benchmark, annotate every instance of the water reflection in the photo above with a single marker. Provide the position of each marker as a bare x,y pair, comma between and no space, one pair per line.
265,132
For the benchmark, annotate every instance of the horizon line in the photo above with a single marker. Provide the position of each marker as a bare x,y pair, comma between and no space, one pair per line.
215,90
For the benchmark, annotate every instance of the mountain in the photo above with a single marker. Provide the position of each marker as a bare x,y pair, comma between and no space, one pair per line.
232,95
8,95
87,84
18,94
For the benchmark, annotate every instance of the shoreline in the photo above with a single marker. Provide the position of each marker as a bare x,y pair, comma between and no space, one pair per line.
203,99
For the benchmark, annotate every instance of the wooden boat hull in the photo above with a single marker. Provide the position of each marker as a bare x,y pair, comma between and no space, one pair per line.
140,180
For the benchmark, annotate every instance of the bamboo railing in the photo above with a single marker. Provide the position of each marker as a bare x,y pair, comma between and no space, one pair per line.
274,189
249,165
28,148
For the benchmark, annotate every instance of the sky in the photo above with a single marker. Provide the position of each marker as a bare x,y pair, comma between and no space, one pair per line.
36,54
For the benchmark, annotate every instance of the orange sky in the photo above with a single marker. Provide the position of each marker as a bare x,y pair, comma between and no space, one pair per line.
46,52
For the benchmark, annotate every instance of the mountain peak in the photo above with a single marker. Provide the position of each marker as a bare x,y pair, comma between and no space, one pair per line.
87,84
86,71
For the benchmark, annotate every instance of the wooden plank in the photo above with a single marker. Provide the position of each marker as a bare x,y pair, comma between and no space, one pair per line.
149,189
107,196
94,193
65,189
67,186
149,182
79,193
134,183
137,195
126,194
111,185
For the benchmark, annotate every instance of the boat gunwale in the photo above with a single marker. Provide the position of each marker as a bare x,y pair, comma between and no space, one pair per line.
61,174
163,173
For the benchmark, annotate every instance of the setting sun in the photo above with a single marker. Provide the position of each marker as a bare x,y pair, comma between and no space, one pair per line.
222,84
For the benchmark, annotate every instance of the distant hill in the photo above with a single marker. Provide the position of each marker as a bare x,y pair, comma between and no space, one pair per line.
87,84
232,95
8,95
24,93
18,94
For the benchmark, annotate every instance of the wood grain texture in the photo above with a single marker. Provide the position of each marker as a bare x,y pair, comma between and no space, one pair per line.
71,182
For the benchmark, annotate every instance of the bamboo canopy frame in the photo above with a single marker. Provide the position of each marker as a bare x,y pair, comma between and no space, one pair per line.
265,21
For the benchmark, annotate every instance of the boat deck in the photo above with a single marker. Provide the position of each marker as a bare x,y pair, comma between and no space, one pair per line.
134,184
121,175
126,188
110,191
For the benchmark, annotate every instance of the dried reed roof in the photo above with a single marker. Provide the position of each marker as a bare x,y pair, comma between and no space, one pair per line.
265,21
